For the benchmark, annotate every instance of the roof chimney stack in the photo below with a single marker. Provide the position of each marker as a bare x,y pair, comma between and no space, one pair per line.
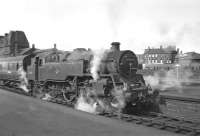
54,46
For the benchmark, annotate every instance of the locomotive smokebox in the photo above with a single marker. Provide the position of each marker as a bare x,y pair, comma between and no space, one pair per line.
115,46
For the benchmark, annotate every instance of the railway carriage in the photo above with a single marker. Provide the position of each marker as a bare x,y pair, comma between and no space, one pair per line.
10,66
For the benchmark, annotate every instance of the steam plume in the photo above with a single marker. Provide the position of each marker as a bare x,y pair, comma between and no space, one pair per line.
23,80
115,12
98,55
169,79
120,98
86,103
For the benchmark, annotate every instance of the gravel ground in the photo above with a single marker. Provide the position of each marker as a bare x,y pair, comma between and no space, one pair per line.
25,116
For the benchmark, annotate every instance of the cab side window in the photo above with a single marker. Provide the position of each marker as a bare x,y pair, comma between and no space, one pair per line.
52,58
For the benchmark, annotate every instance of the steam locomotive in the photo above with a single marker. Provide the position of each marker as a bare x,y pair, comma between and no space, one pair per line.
67,75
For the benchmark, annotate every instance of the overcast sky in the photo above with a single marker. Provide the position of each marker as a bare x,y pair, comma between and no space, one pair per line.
137,24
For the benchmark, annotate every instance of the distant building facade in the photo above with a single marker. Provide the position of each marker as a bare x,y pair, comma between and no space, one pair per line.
189,60
160,58
160,55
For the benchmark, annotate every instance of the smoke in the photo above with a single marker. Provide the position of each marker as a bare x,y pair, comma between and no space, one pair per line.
115,11
164,80
174,78
188,37
89,101
86,104
183,35
95,55
118,94
46,97
23,80
98,55
79,54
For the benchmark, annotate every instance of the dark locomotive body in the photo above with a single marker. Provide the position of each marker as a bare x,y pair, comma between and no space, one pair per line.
65,75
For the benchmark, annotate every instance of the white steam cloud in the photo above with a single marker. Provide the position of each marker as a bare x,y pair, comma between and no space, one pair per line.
116,10
164,80
86,104
88,101
98,55
23,80
184,36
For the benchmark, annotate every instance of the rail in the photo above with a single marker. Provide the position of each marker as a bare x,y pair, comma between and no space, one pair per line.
180,98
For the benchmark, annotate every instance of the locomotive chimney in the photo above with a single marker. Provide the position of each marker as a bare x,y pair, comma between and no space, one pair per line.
115,46
33,46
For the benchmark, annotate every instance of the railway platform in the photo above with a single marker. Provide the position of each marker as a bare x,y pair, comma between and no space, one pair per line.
26,116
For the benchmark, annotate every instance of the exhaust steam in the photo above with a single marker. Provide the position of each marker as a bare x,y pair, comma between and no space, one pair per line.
164,80
98,55
86,103
90,102
23,80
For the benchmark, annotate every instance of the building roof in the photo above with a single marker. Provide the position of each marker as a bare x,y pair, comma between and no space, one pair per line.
15,58
161,50
188,55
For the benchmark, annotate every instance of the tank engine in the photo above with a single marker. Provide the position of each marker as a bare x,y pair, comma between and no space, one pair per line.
67,75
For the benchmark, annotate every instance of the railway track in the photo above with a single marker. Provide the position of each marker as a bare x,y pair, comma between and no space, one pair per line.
184,107
155,120
160,121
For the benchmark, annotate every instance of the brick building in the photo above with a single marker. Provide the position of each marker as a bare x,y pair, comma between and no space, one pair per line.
160,58
160,55
13,43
